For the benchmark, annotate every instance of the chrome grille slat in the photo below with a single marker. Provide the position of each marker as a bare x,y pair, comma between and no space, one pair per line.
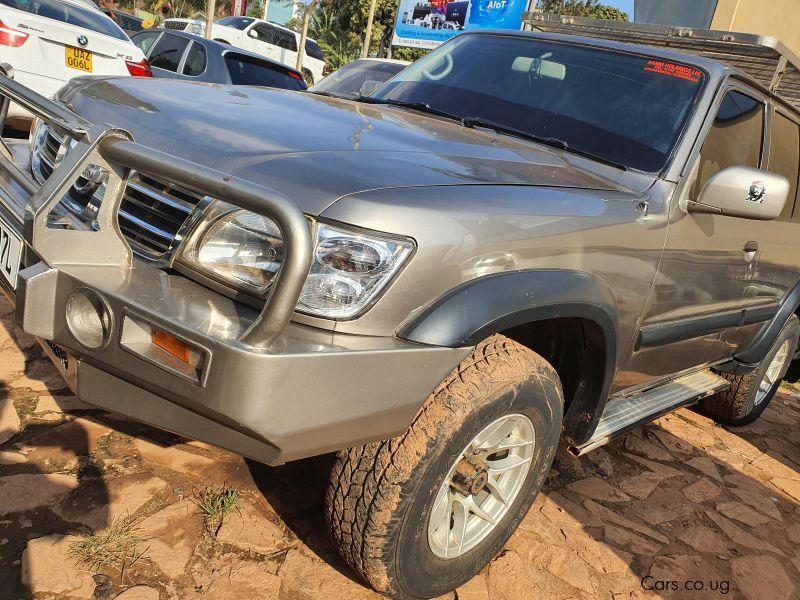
126,214
145,225
146,189
45,159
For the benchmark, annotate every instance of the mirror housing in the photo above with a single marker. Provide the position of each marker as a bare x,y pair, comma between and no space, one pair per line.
369,86
743,192
253,34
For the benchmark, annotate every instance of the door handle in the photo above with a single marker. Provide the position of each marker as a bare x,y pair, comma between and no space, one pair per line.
750,251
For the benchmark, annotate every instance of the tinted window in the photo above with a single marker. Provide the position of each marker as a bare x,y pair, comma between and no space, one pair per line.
195,60
735,138
784,155
313,50
276,37
168,52
145,40
235,22
625,108
348,80
127,22
250,71
69,13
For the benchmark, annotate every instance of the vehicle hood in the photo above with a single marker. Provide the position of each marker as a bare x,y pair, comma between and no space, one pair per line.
315,149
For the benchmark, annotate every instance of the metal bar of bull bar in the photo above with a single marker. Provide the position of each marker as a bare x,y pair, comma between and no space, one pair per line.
113,149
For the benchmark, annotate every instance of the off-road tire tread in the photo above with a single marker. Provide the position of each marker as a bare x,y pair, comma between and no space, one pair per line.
729,406
367,482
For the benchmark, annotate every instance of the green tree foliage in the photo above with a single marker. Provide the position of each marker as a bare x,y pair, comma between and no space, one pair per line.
582,8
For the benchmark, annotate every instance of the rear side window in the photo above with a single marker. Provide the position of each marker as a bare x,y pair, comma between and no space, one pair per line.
126,21
70,14
276,37
195,60
168,51
735,138
248,71
313,50
784,157
145,40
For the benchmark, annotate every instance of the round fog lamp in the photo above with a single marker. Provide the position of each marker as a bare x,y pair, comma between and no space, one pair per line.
87,319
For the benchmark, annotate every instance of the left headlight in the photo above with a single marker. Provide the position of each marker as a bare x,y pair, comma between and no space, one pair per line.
349,269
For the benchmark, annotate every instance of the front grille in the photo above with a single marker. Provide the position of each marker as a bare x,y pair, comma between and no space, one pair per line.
47,157
62,356
179,25
151,214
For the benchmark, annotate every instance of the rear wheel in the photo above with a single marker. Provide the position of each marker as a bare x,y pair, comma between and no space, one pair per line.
420,514
750,394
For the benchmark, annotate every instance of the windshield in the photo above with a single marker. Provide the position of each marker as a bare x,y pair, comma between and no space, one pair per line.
348,80
625,108
71,14
235,22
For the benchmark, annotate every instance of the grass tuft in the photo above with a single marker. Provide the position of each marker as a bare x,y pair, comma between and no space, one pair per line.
215,502
115,547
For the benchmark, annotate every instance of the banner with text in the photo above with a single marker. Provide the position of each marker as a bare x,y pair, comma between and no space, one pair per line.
428,23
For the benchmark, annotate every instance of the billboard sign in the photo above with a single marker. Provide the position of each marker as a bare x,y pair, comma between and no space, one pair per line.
428,23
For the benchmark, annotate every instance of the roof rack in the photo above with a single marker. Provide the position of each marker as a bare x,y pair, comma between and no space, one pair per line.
763,58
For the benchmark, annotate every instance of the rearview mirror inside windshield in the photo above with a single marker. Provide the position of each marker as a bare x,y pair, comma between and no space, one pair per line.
540,68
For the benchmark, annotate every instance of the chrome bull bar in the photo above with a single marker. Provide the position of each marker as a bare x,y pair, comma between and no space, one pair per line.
115,150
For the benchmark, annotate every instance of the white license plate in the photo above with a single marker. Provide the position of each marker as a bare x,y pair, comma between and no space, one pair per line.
10,253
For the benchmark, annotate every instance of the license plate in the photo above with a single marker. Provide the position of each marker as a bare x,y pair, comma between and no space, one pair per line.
10,253
78,59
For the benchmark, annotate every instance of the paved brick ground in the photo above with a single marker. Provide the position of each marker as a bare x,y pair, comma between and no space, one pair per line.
680,500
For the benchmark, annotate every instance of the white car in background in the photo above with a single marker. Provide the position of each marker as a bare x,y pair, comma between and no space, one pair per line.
262,37
48,42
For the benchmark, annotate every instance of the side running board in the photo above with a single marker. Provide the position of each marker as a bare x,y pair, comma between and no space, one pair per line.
623,414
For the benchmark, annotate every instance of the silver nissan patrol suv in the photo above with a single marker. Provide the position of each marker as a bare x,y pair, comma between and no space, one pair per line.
523,239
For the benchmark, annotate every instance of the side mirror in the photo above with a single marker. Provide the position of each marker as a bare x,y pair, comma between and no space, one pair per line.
369,86
743,192
253,34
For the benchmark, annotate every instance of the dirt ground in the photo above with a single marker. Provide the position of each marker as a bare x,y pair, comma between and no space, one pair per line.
96,506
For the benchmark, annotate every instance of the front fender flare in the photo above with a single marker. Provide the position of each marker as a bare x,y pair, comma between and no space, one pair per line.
495,303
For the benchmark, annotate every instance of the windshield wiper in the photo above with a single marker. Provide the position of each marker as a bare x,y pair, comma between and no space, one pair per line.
472,122
420,106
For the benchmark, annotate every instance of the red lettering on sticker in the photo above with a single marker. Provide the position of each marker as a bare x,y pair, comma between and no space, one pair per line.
672,70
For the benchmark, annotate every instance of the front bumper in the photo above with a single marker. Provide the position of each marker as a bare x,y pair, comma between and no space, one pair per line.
266,388
311,392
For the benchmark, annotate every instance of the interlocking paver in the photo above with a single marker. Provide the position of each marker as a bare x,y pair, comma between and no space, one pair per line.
681,499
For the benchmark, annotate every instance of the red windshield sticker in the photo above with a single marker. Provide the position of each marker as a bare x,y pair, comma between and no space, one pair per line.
671,69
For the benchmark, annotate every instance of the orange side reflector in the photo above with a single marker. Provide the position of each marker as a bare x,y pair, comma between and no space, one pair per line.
171,344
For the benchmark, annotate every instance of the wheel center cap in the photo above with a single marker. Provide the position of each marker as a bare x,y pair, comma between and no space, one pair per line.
471,476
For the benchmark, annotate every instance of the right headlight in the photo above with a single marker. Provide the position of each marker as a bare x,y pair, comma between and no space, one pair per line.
348,271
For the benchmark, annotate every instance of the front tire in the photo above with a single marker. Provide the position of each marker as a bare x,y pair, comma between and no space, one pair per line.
420,514
750,394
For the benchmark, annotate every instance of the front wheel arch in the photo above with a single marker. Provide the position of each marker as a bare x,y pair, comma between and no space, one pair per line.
520,301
